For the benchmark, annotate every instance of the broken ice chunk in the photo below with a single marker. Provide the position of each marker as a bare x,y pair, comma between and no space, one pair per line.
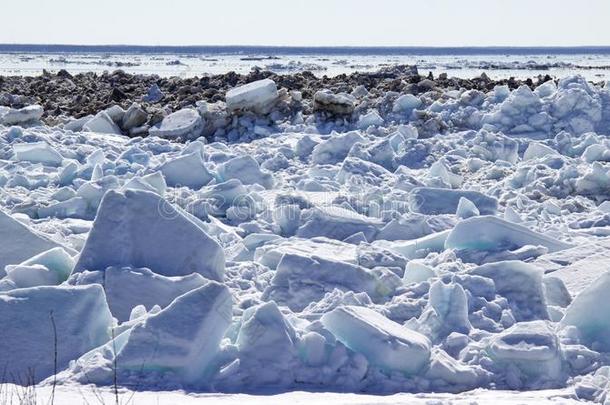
259,97
521,284
266,343
186,170
245,169
406,103
383,342
102,123
184,337
18,242
339,104
185,123
336,223
466,209
446,312
37,152
536,150
14,116
532,347
300,280
51,267
436,201
128,287
591,320
370,119
335,148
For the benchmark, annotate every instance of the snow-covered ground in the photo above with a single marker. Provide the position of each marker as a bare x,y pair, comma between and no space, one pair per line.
401,244
78,395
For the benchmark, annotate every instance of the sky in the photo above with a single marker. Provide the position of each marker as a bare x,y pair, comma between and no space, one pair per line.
307,22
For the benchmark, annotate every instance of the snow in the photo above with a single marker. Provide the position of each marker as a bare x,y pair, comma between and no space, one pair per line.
384,343
82,322
258,96
76,395
140,229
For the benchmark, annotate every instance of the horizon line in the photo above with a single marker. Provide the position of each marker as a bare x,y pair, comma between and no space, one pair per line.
17,44
338,50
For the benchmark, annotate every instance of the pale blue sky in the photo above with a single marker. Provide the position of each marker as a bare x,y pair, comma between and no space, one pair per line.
308,22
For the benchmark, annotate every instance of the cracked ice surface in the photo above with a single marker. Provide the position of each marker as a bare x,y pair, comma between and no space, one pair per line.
359,260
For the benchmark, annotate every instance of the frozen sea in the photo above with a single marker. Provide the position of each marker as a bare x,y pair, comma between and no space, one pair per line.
27,60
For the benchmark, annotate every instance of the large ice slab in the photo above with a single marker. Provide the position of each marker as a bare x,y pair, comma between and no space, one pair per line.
384,343
492,233
258,96
31,317
267,346
140,229
436,201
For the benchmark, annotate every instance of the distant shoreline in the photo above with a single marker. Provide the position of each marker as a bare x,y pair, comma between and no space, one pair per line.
298,50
